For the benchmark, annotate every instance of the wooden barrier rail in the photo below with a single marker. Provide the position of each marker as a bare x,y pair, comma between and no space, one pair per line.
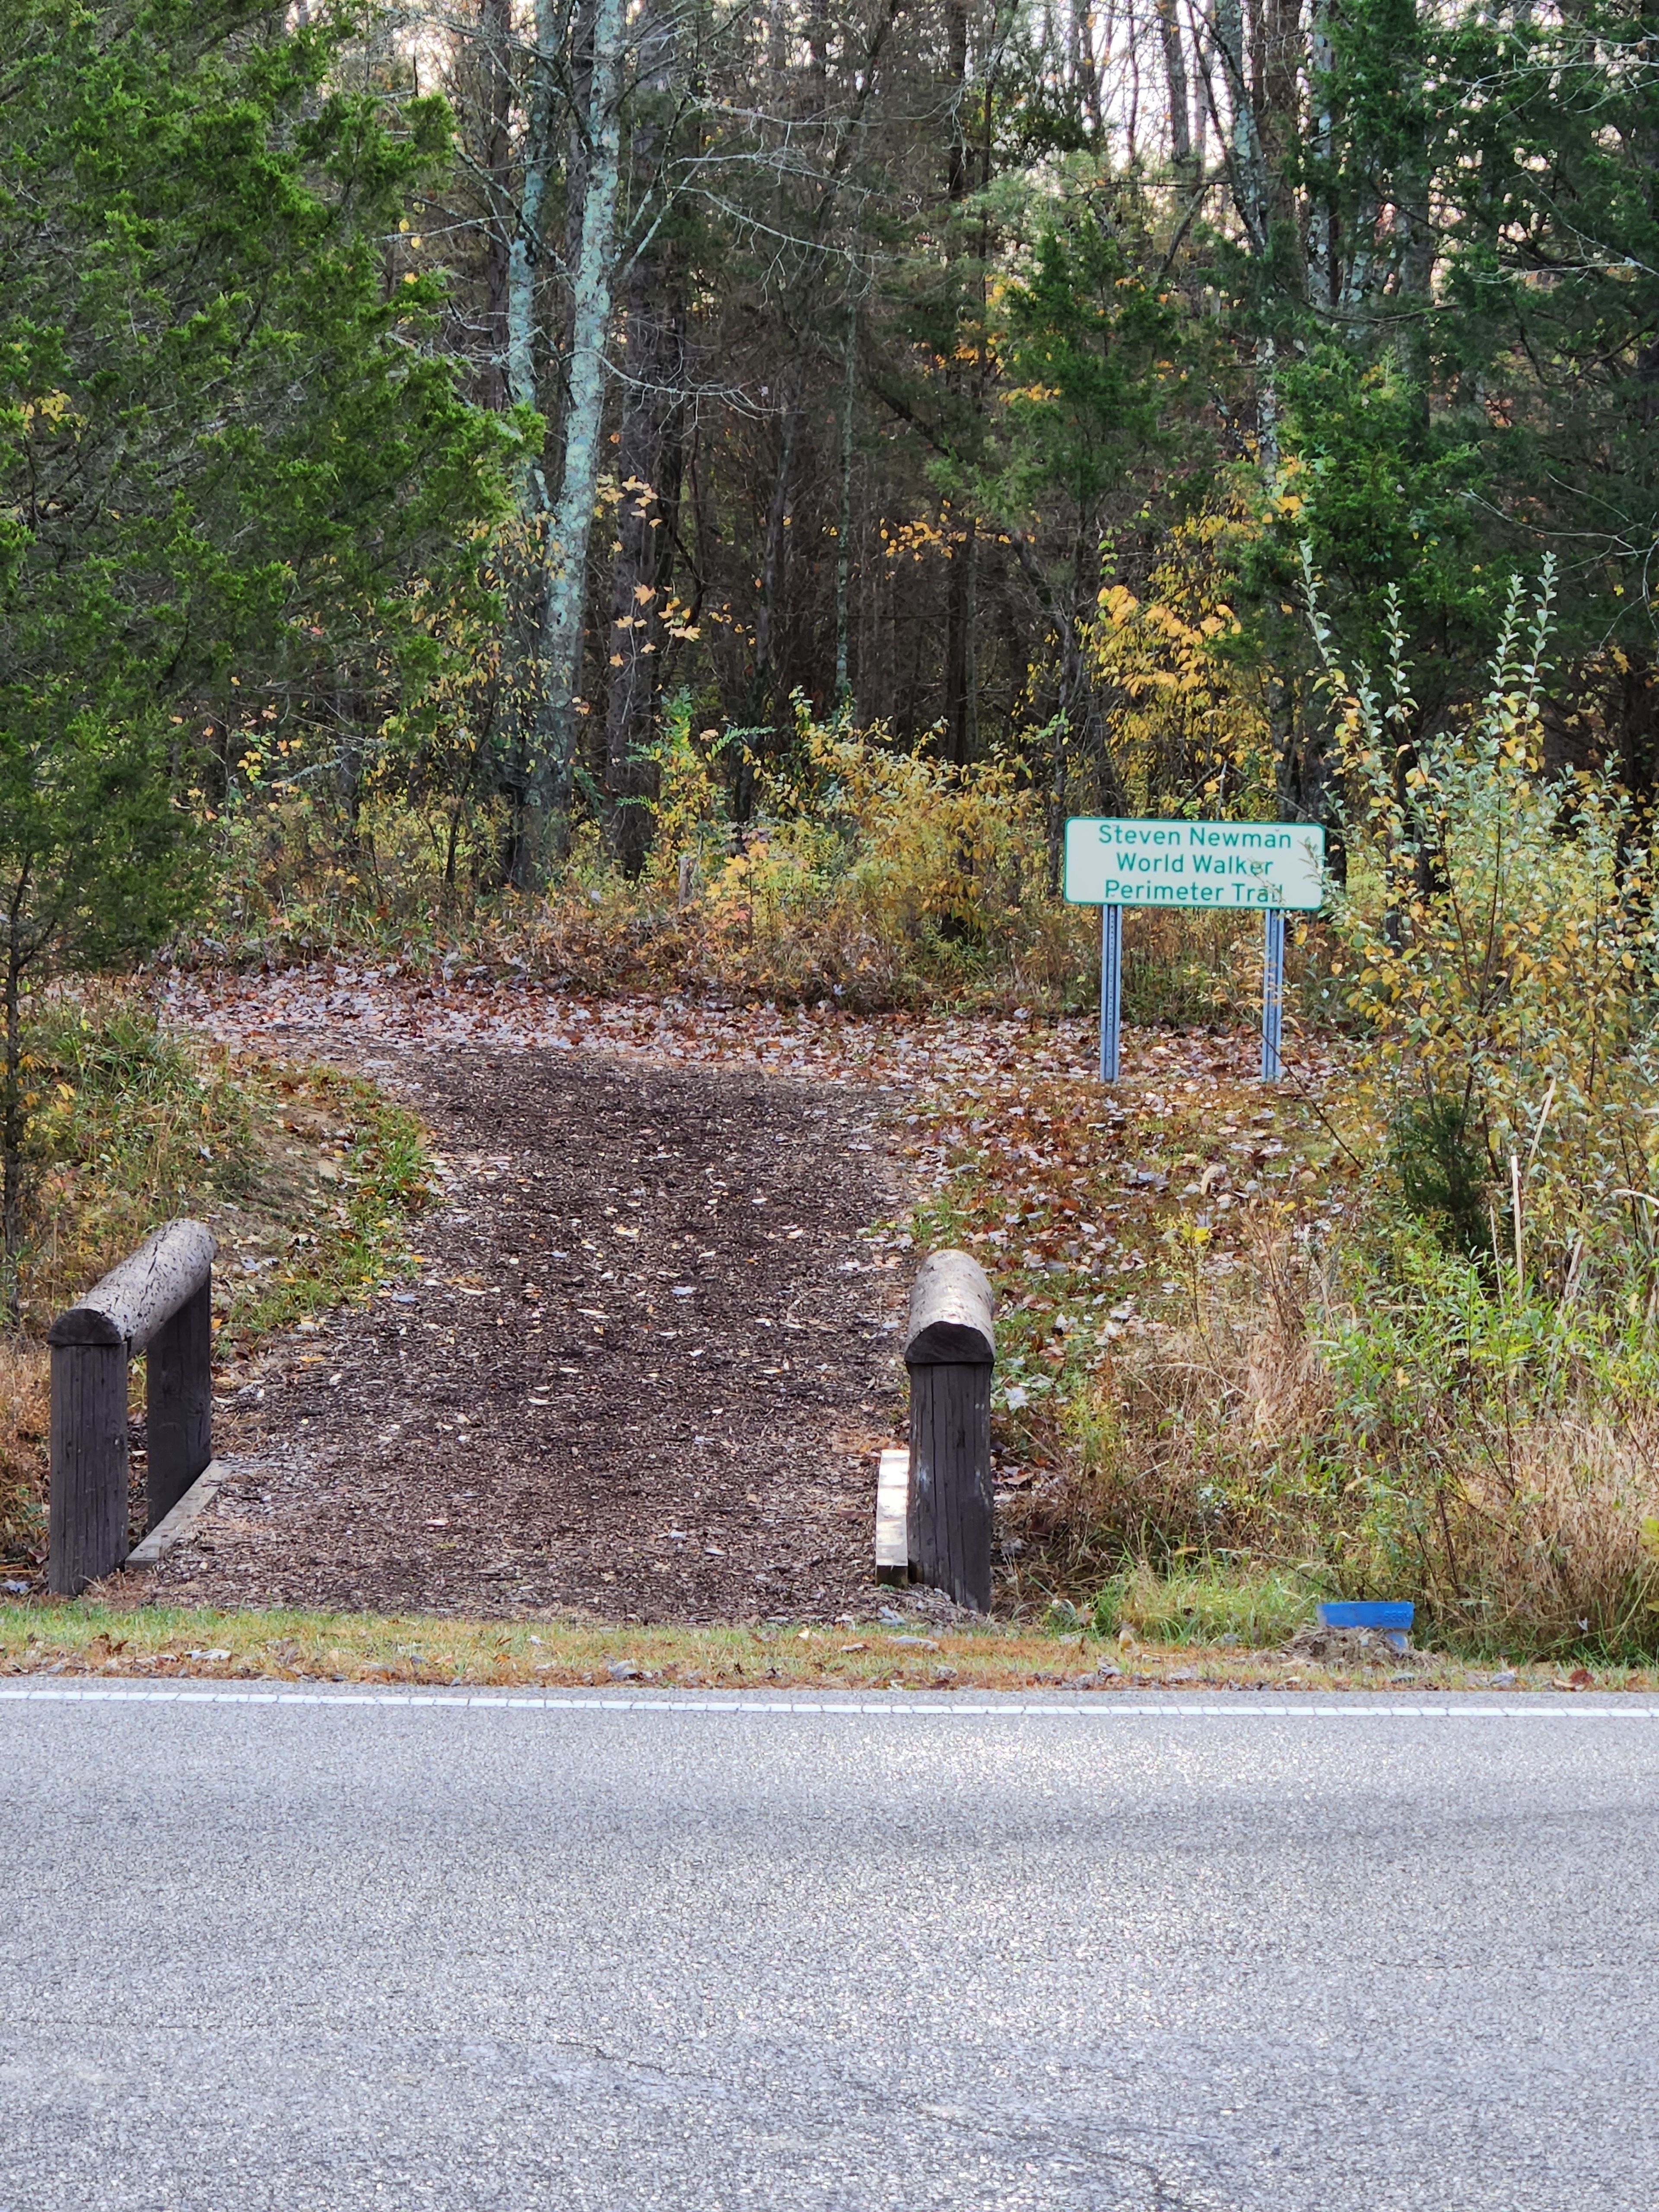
158,1301
950,1349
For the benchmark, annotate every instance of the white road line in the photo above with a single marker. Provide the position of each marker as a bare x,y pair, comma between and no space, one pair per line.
1364,1706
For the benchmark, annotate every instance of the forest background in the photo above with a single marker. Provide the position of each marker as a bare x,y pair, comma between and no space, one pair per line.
657,495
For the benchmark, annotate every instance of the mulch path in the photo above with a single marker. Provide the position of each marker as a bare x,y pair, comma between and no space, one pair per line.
643,1373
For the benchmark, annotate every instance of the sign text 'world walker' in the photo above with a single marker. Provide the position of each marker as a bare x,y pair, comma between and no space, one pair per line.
1195,864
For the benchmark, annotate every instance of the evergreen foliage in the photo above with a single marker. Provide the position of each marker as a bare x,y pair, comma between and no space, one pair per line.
228,442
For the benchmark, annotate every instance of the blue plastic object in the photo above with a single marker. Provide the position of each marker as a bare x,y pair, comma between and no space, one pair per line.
1393,1616
1388,1613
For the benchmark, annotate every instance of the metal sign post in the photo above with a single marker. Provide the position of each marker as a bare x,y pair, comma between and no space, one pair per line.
1111,990
1272,992
1270,866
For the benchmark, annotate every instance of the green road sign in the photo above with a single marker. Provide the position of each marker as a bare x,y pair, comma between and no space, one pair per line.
1195,864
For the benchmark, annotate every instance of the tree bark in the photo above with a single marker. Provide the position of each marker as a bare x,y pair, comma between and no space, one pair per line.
352,713
1324,283
960,662
1252,196
651,461
495,68
844,518
522,355
774,560
1086,68
570,525
1241,136
1175,77
838,136
961,655
520,350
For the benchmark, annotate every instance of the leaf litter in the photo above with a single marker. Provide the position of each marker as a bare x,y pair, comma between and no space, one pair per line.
1098,1214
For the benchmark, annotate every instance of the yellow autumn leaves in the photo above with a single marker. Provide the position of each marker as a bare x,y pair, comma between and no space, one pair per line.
1189,718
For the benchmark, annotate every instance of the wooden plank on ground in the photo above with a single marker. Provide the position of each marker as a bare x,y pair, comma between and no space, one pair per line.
183,1517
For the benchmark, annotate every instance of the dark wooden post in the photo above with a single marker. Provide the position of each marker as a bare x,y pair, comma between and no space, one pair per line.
160,1297
949,1351
178,1401
88,1529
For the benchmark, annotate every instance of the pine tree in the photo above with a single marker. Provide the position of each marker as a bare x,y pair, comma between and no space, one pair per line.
226,439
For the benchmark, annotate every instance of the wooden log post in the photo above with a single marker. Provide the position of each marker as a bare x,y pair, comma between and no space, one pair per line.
88,1518
178,1401
157,1300
949,1351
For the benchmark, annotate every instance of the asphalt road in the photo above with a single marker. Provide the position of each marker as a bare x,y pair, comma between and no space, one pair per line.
1246,1953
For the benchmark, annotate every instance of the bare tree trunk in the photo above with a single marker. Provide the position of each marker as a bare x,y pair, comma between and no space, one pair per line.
351,719
957,165
1251,197
1207,112
774,561
496,65
1417,242
844,520
520,348
818,57
1242,136
1323,284
570,525
837,137
651,460
579,101
1088,68
961,659
1174,75
961,689
523,350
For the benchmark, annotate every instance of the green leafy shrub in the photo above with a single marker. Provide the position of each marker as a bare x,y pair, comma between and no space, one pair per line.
1446,1392
1211,1602
1444,1177
1501,942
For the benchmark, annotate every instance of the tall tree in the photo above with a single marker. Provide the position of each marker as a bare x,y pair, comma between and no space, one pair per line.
570,520
226,443
650,454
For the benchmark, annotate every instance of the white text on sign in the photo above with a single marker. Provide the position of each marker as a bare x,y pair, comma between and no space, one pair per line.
1198,864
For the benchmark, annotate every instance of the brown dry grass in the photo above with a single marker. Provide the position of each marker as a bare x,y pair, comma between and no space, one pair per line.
1189,1440
1552,1527
621,939
1234,1446
935,891
24,1404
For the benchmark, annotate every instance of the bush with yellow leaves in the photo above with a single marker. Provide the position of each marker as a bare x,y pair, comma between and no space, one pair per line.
1191,730
861,871
865,871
